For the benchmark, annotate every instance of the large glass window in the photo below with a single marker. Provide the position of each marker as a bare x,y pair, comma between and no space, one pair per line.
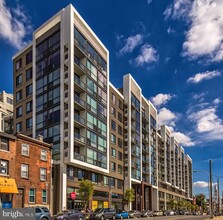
102,81
91,87
102,144
91,121
102,111
18,80
102,128
80,39
102,95
91,156
92,139
92,70
92,104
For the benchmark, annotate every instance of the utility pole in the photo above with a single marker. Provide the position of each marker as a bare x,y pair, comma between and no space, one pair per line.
218,196
210,199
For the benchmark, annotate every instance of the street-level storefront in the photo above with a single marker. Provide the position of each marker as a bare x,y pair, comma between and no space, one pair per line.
8,187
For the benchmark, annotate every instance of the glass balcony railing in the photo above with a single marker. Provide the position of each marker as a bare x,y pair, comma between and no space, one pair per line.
79,100
79,82
79,137
79,119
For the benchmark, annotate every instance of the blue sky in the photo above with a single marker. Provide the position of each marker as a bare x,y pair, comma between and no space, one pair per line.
173,49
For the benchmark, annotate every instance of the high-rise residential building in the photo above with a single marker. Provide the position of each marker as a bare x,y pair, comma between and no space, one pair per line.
175,170
107,135
6,110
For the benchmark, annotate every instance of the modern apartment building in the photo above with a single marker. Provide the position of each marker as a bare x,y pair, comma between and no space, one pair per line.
175,170
25,163
6,110
107,135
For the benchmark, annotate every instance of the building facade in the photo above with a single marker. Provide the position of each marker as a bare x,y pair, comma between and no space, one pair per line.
6,111
27,161
107,135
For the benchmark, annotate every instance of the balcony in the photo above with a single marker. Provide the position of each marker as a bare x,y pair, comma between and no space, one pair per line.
79,120
80,84
79,101
79,67
79,138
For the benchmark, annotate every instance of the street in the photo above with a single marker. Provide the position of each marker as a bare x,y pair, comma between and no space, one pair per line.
179,217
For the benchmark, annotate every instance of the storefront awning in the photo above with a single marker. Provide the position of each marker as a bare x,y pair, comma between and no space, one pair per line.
8,185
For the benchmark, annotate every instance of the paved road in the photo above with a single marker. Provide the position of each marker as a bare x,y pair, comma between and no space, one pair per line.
179,217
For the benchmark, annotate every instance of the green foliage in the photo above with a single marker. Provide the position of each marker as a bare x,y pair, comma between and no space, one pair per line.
172,204
200,199
129,195
86,191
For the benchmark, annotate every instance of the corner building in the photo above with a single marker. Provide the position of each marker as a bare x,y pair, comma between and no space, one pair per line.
107,135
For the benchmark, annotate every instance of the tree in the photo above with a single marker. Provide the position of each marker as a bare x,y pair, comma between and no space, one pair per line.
129,195
86,191
200,199
172,204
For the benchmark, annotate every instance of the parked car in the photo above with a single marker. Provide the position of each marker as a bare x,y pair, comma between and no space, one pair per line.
168,212
60,213
103,213
71,215
134,213
146,213
42,213
122,214
157,213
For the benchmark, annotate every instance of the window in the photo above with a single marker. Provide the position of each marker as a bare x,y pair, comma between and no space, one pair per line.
120,184
29,123
44,196
119,116
120,105
94,177
119,143
91,104
43,155
29,74
91,122
29,57
4,144
113,97
18,126
105,180
25,149
70,171
102,144
80,174
29,106
120,169
92,70
9,101
42,174
112,182
18,64
29,90
91,139
24,171
19,80
113,166
18,95
113,125
120,156
4,167
32,195
113,111
113,138
113,152
119,129
91,156
19,112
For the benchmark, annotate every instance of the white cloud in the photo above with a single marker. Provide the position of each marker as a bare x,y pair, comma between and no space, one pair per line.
204,76
148,55
161,99
217,101
205,34
207,123
149,1
14,25
166,117
199,96
131,43
202,184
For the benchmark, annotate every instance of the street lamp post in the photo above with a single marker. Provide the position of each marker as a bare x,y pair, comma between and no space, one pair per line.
210,187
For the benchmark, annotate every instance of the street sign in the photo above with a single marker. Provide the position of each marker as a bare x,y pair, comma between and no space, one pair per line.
73,195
